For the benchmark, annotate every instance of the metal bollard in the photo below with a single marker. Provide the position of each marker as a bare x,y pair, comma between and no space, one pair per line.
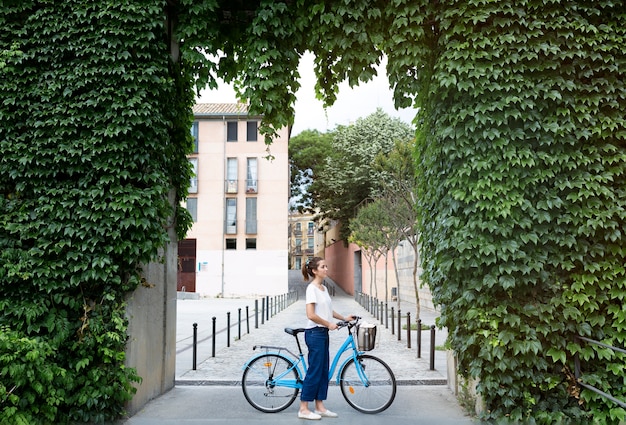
247,320
256,314
262,310
213,338
419,338
408,329
393,321
239,324
195,345
267,309
399,325
432,347
228,329
386,316
382,311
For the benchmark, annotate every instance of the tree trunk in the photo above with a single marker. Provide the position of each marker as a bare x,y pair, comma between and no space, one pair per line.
417,294
395,269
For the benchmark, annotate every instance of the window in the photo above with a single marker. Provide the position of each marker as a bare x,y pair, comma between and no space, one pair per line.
194,134
231,131
193,184
310,243
231,215
231,243
298,263
250,243
192,207
298,246
252,127
251,215
252,175
231,175
311,228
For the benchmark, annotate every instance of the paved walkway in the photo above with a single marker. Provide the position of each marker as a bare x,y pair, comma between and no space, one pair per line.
226,367
212,394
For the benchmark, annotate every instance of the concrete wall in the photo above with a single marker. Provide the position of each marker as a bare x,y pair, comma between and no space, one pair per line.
151,311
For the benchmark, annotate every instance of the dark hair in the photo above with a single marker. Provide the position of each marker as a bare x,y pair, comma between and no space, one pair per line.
309,266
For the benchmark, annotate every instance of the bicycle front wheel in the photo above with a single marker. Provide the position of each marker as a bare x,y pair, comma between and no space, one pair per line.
261,383
368,385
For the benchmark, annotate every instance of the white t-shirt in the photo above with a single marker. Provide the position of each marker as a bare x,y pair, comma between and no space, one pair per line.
323,304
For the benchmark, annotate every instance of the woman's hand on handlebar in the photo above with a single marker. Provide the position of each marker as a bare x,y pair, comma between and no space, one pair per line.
351,318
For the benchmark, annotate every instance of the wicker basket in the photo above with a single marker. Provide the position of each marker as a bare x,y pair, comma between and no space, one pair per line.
366,337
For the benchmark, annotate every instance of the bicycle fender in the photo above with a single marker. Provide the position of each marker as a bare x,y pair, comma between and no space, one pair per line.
297,366
342,366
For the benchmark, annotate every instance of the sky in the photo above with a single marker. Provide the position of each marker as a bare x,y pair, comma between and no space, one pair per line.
351,103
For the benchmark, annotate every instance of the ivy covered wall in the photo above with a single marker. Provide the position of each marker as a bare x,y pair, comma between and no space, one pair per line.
522,163
94,126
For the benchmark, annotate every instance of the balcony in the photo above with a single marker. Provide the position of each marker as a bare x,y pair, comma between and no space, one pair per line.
252,186
230,186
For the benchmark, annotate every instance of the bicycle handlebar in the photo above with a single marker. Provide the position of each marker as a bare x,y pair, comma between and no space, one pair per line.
343,323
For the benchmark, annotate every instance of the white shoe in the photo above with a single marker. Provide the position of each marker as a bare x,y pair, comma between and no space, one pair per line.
310,416
327,414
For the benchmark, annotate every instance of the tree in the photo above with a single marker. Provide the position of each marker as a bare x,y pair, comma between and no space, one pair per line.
368,234
307,152
398,188
373,230
348,177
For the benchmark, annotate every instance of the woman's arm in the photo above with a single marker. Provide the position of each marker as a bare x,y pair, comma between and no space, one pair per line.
311,315
341,317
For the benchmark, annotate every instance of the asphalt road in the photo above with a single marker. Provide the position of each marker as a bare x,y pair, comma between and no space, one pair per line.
185,405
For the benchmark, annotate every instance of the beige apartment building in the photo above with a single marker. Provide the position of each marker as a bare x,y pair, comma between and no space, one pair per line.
238,245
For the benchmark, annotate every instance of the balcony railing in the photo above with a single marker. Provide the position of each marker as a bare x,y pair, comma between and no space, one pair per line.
230,186
252,186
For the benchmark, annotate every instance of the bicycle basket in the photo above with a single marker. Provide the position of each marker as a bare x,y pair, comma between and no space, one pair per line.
366,336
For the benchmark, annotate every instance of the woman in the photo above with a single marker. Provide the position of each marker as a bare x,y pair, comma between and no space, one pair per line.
320,315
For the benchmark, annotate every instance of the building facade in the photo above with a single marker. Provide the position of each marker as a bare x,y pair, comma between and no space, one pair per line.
238,245
305,239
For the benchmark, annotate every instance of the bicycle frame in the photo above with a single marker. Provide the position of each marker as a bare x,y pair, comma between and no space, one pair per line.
300,365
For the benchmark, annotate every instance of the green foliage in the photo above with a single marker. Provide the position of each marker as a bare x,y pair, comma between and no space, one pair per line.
307,153
348,176
522,166
257,45
94,130
32,385
399,187
520,157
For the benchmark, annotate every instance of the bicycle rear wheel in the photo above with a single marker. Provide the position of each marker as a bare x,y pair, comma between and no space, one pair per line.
259,388
375,392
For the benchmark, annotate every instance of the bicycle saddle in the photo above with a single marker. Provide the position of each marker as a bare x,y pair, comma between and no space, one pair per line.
294,332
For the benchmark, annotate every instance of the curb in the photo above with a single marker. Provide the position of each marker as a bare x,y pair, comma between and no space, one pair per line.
236,383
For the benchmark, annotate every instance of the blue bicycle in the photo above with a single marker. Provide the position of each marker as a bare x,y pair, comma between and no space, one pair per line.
272,380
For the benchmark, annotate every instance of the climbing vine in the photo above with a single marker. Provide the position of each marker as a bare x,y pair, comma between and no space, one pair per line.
520,155
522,164
93,133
